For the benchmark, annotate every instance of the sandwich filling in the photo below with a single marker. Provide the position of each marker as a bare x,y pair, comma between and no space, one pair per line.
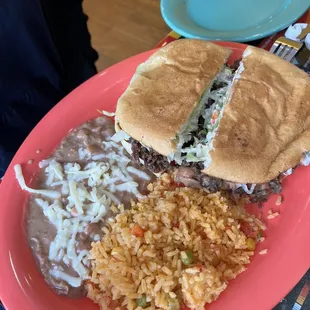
195,141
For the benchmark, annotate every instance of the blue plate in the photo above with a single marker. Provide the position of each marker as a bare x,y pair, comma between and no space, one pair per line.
231,20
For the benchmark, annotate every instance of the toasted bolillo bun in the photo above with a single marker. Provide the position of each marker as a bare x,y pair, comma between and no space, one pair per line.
265,128
166,90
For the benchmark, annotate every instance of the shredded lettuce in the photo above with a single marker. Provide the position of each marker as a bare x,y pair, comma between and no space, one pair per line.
185,134
305,160
199,149
288,172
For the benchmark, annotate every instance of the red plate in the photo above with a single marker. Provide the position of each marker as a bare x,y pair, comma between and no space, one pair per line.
268,278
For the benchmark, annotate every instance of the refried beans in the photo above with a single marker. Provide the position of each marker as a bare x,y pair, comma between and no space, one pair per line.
95,168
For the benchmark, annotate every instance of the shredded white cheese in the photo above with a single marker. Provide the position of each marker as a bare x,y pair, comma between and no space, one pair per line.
45,162
73,281
139,173
99,156
44,192
127,187
83,154
119,136
110,114
247,190
84,196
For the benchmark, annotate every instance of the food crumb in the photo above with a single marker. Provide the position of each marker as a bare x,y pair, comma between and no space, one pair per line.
121,208
260,224
114,209
279,200
172,295
261,239
272,215
263,252
30,161
38,151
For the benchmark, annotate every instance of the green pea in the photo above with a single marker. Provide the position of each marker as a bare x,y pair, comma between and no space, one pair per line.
141,302
173,303
187,257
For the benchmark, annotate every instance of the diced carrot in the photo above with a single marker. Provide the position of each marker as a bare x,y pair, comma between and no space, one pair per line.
137,231
199,266
247,229
253,234
214,116
173,185
176,225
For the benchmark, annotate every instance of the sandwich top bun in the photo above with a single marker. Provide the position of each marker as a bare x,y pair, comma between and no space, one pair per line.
266,125
166,89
